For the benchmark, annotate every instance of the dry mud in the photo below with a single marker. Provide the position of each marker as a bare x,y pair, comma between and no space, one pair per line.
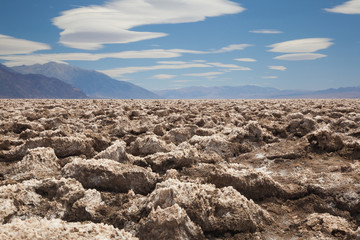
106,169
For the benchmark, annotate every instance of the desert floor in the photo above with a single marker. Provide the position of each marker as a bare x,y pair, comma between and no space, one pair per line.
179,169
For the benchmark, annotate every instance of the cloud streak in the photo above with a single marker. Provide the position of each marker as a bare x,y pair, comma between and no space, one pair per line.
11,45
163,76
205,74
245,59
300,56
349,7
280,68
16,60
93,26
266,31
117,72
232,47
174,65
232,67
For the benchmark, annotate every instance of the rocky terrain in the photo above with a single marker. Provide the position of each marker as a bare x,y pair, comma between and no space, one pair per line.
179,169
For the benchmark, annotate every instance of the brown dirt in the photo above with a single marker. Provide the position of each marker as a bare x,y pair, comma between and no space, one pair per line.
180,169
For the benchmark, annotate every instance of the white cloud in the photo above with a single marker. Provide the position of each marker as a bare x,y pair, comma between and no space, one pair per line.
300,56
205,74
163,76
280,68
189,51
270,77
245,59
16,60
93,26
173,65
349,7
116,72
266,31
230,66
171,62
239,69
305,45
232,47
11,45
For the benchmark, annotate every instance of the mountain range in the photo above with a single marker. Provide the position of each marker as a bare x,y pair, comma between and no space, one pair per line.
255,92
17,85
57,80
92,83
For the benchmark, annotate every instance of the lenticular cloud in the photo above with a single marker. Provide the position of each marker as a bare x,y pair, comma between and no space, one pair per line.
92,26
11,45
301,49
349,7
302,45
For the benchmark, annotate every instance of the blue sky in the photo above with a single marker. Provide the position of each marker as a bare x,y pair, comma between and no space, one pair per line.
164,44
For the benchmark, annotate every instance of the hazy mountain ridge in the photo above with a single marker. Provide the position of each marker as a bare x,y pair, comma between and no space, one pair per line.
255,92
99,85
93,83
17,85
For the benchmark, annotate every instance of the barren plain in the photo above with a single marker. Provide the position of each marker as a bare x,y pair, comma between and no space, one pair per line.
179,169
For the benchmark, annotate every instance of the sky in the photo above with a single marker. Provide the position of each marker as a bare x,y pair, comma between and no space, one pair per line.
167,44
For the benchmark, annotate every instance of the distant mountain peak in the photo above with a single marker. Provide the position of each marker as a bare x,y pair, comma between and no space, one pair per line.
5,68
93,83
57,65
17,85
255,92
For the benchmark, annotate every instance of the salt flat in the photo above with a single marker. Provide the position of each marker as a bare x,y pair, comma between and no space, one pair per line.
180,169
